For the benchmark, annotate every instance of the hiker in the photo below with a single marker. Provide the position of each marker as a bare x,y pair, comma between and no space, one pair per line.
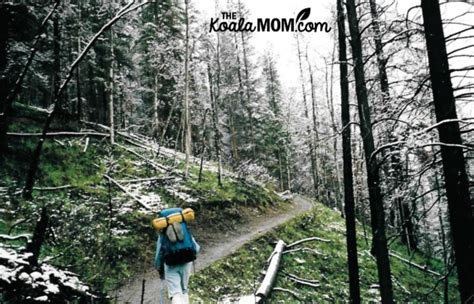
176,250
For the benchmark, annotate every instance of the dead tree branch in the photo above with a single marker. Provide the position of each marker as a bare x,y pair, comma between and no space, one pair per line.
307,240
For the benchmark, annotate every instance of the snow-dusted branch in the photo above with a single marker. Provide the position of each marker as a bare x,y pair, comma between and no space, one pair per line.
307,240
136,198
421,267
5,237
55,134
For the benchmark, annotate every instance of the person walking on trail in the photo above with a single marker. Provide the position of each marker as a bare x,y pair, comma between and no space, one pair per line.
176,249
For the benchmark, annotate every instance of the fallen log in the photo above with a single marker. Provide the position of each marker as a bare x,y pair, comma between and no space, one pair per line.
58,134
421,267
152,164
53,188
147,179
264,290
136,198
307,240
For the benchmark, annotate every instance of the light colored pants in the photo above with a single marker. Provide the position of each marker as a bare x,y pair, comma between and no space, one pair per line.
177,279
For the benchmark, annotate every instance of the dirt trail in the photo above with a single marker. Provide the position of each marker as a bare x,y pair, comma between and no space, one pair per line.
224,244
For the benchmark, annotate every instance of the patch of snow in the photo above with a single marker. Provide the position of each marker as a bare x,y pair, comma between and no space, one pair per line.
300,261
25,277
250,299
12,269
52,288
42,299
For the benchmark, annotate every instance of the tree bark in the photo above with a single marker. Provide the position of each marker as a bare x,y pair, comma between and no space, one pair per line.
247,89
315,123
379,240
4,24
454,165
78,85
187,122
203,144
215,125
349,206
111,89
39,235
156,121
57,56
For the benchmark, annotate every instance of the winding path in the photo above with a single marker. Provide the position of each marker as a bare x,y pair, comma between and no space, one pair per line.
224,244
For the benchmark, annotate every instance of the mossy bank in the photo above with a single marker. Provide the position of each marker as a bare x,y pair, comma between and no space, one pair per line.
326,262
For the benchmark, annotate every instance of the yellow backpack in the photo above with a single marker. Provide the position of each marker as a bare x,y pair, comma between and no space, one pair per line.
162,222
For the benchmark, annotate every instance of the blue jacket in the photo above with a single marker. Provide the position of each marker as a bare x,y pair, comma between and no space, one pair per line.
159,263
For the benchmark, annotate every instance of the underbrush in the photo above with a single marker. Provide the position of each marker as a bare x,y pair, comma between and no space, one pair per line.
241,273
95,229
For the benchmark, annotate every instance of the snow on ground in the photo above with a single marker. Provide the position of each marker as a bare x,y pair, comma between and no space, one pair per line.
15,269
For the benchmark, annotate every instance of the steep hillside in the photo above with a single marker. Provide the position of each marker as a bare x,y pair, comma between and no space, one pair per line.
100,199
323,263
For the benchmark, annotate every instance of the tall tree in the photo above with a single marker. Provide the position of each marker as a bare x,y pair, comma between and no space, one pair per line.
454,165
349,208
111,89
187,121
379,240
308,128
396,166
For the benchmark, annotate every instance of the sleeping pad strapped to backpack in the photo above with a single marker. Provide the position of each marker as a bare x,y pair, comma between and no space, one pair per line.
176,241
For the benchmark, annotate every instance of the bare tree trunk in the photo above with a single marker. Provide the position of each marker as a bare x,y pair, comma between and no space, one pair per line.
315,124
379,240
215,124
170,114
78,85
349,206
330,103
203,144
308,129
111,89
234,140
454,165
39,235
445,252
187,122
397,171
156,121
280,171
247,89
4,106
78,69
57,56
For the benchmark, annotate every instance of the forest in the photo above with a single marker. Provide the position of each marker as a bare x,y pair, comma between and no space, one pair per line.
356,140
